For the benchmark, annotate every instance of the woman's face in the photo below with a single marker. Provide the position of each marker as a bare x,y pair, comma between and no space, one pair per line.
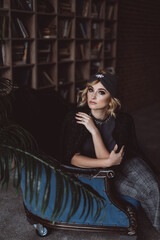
98,97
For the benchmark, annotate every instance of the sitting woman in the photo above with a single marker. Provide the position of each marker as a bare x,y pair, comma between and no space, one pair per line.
99,135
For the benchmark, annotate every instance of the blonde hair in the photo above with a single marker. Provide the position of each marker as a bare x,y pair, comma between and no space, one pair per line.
82,99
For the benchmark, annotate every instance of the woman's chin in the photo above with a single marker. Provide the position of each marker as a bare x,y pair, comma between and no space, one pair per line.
91,106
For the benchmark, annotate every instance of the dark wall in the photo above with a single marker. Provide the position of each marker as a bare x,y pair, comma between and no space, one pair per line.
41,113
138,52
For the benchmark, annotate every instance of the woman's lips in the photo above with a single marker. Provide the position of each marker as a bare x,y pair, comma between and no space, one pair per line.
91,102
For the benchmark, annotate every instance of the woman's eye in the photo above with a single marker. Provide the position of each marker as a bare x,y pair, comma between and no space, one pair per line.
101,92
90,90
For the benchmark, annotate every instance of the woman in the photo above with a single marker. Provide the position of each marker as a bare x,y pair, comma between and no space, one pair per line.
100,135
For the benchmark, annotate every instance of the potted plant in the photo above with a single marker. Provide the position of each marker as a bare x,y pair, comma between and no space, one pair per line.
19,151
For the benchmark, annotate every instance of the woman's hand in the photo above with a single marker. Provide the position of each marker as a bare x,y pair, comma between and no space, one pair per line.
116,158
99,146
87,162
86,120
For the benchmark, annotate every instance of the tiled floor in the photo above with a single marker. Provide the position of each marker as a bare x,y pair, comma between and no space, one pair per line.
14,226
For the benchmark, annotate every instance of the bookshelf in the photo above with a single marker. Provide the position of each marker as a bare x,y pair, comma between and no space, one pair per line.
57,44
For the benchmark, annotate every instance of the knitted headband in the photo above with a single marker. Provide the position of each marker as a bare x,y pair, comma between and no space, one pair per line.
109,81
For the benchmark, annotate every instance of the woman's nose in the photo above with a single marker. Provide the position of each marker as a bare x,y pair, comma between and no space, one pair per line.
93,95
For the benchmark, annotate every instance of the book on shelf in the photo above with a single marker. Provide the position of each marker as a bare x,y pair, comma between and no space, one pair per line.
30,4
82,8
24,32
64,29
65,7
2,54
48,78
47,31
1,59
44,56
95,30
80,51
22,4
107,49
96,9
96,50
64,53
67,29
94,13
18,28
83,27
45,79
110,12
24,58
15,31
85,10
79,33
45,6
44,53
4,21
20,53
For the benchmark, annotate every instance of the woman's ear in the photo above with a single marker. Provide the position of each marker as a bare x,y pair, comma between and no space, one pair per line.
109,104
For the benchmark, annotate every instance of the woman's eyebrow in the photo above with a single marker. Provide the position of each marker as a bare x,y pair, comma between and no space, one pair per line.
102,89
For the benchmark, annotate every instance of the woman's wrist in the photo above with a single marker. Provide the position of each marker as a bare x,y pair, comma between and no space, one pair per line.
107,163
95,132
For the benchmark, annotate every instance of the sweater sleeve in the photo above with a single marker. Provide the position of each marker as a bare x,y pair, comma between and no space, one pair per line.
132,143
125,134
72,136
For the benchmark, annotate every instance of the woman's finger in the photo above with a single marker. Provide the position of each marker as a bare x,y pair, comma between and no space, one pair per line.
81,122
115,148
80,118
121,150
83,116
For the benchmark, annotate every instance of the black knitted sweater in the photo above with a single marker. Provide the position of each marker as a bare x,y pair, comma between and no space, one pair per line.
74,134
